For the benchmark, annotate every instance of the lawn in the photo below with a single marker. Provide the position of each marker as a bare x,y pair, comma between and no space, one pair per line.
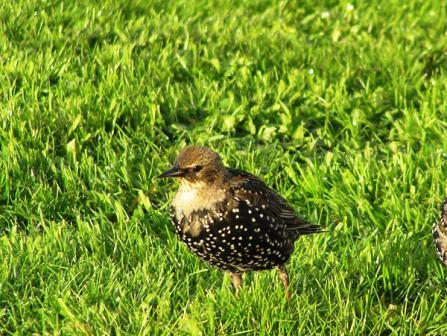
341,107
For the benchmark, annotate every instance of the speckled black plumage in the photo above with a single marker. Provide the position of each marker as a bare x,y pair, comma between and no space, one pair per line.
231,218
256,232
440,234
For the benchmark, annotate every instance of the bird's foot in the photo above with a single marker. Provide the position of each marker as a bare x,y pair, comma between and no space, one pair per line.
285,280
236,279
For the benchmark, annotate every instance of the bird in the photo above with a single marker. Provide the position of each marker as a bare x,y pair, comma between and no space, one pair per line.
440,234
231,218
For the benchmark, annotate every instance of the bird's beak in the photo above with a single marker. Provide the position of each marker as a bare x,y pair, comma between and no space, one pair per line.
175,171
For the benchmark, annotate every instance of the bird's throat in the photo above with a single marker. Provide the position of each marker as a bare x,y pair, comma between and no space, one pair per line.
195,197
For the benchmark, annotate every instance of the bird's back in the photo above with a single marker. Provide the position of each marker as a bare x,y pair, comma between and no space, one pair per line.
280,215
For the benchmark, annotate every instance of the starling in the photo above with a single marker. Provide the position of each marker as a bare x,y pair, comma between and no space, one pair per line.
232,219
440,234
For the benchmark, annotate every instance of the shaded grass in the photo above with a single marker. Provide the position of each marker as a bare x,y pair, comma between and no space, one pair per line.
341,107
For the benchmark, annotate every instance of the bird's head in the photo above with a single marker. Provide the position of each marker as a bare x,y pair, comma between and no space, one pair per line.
197,165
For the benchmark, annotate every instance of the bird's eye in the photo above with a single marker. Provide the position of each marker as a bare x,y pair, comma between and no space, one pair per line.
197,168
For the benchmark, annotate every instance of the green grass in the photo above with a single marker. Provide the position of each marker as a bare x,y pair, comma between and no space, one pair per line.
342,108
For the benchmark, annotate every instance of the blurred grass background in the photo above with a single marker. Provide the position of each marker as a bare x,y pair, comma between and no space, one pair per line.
341,106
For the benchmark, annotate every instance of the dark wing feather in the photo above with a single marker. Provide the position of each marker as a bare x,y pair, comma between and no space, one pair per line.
250,187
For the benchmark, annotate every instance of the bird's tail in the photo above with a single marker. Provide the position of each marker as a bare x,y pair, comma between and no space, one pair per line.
311,228
440,234
302,227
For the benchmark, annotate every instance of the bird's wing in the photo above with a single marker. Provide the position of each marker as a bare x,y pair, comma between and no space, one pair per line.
249,187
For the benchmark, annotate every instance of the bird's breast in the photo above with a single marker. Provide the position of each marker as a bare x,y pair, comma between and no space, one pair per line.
192,198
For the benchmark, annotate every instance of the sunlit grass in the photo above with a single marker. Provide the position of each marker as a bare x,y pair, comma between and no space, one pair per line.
339,106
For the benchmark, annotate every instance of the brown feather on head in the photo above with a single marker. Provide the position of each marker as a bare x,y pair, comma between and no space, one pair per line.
193,155
197,164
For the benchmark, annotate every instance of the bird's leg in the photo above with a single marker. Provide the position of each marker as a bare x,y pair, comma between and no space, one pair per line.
236,279
285,280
